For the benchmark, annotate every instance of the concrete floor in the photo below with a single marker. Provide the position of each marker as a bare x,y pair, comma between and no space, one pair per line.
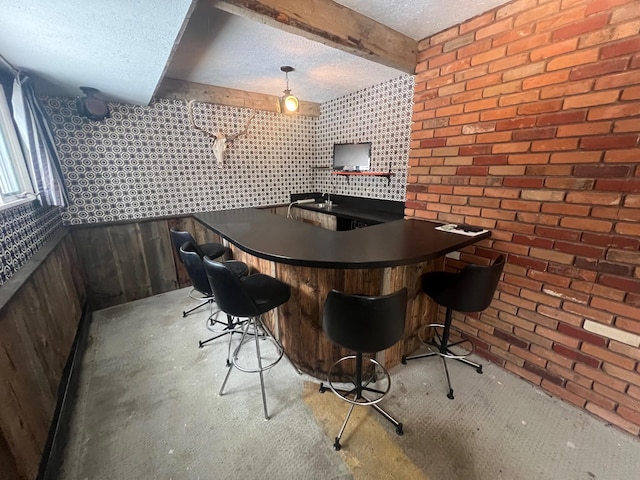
148,408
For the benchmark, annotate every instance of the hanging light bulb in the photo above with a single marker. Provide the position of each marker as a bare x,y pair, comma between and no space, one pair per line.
288,103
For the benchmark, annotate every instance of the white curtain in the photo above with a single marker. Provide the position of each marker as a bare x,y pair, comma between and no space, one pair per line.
38,144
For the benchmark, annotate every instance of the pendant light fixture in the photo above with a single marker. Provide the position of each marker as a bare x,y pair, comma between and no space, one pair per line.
288,103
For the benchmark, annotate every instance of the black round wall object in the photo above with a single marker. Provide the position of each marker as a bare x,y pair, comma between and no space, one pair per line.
92,107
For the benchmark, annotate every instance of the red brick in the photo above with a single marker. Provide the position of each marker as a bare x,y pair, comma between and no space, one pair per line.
549,279
592,99
577,274
632,93
520,39
594,198
545,79
534,218
601,68
607,142
602,171
433,142
579,249
562,208
540,107
570,183
584,129
558,391
528,262
615,307
614,111
481,105
617,80
566,89
628,185
533,14
610,241
515,123
591,396
557,233
621,373
589,24
534,133
477,22
600,377
586,224
555,379
580,57
494,28
553,49
563,118
622,156
624,47
602,266
615,213
490,160
611,417
498,113
598,6
576,157
581,334
577,356
533,241
523,182
554,145
518,98
628,229
628,325
629,414
548,170
475,150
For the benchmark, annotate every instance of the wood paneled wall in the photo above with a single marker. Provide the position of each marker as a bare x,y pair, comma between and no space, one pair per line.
39,314
123,262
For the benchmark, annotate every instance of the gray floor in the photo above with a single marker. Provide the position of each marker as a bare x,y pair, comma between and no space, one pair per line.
148,407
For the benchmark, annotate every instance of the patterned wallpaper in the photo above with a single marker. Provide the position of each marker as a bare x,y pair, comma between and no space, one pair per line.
380,114
23,230
148,161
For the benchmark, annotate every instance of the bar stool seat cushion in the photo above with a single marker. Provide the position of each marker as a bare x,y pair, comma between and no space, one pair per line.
267,292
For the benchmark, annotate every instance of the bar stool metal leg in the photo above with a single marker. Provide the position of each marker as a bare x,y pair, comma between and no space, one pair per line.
257,325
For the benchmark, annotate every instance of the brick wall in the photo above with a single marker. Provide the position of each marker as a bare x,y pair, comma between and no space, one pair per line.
526,121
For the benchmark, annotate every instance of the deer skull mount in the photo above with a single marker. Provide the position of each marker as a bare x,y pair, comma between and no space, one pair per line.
219,139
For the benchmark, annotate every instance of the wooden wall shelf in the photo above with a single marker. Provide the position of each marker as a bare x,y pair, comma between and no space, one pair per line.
387,175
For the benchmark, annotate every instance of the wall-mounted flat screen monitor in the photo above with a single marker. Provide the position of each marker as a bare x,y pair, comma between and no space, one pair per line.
352,157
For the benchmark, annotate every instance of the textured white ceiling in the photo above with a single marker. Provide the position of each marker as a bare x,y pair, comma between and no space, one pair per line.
122,47
222,49
420,19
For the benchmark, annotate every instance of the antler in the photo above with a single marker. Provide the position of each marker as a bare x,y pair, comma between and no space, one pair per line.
192,121
231,138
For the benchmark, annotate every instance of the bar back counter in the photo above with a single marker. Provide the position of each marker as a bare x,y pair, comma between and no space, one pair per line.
376,260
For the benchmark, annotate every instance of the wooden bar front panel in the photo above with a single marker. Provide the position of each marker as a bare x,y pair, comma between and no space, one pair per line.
298,323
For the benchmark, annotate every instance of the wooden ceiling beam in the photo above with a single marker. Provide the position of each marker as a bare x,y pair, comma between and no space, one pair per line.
183,90
331,24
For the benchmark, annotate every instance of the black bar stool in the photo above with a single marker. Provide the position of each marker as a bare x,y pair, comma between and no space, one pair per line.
248,297
211,250
364,324
195,268
470,290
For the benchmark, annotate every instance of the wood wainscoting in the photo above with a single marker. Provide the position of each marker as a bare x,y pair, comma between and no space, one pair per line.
40,308
128,261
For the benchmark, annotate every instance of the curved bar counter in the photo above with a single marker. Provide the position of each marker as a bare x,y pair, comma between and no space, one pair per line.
376,260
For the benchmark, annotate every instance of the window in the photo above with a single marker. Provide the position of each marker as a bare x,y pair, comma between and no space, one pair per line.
14,180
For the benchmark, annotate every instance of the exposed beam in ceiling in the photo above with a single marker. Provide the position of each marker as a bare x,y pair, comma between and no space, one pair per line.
183,90
185,22
331,24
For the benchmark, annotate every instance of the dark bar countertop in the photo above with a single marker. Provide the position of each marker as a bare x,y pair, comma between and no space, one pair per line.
284,240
